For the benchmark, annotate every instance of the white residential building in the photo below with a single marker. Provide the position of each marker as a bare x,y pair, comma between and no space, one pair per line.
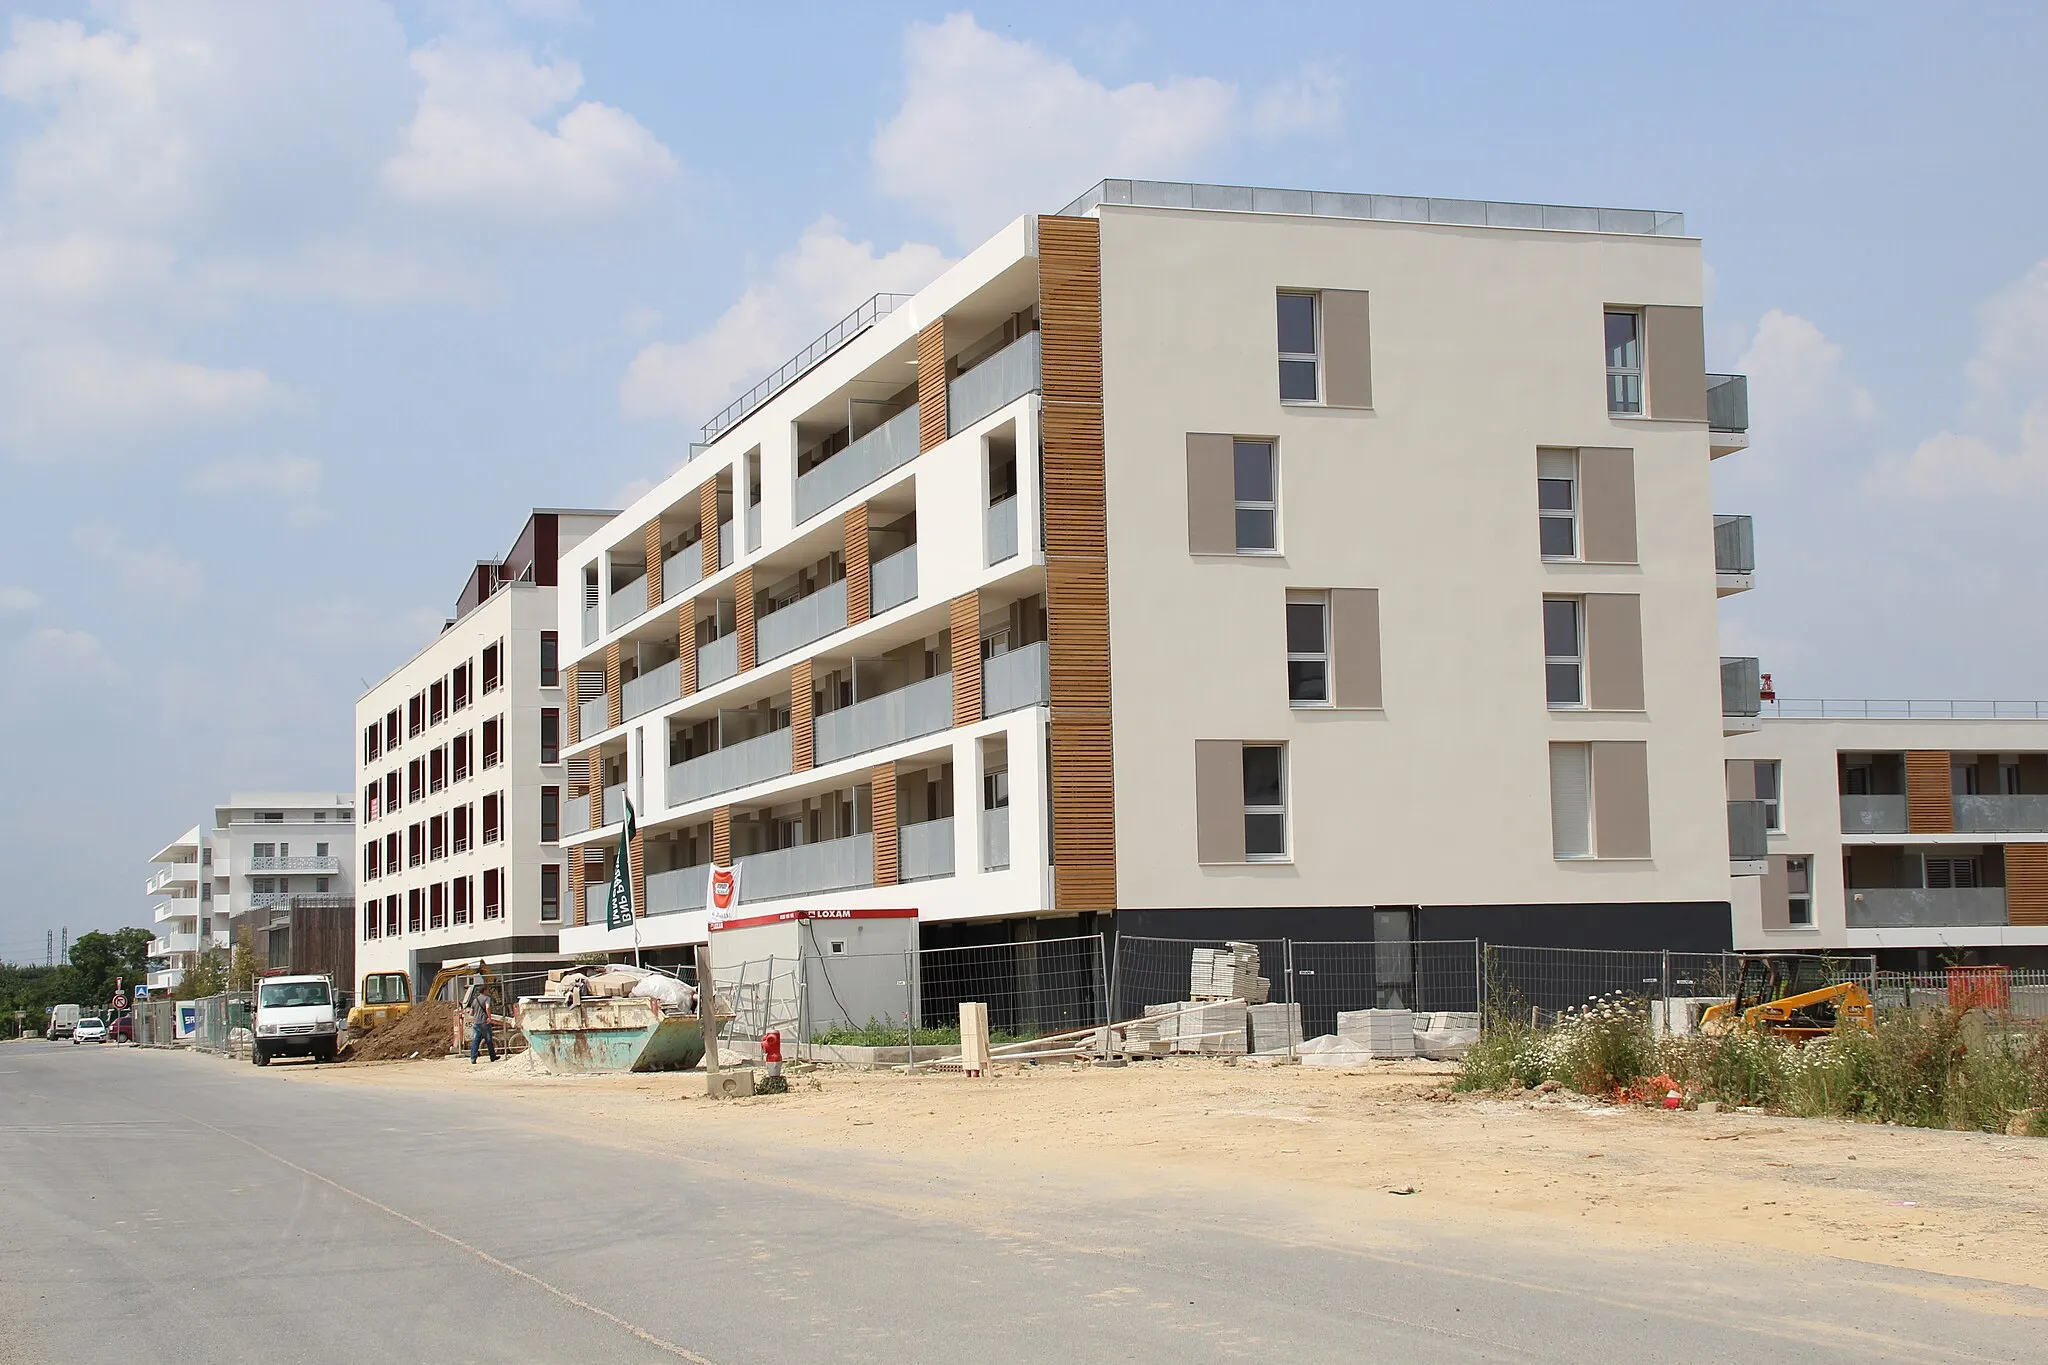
459,769
182,889
1228,562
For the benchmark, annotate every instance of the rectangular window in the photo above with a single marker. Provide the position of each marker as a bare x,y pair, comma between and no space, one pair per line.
416,779
493,898
1265,803
370,802
391,793
491,830
393,850
550,893
371,747
550,815
415,911
1768,773
263,850
1571,801
1557,503
458,828
437,837
416,715
321,884
458,687
1308,649
437,768
391,916
1624,362
550,659
437,906
2009,779
373,918
493,748
415,844
391,729
1256,486
550,735
1953,874
493,668
1299,381
1563,654
1798,887
458,757
458,892
437,705
264,886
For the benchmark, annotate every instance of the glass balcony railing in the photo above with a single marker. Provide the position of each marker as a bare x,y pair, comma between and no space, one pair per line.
761,759
627,601
682,570
1741,687
923,708
1728,402
1734,545
590,629
924,850
717,661
655,688
1001,522
754,527
2001,814
1909,907
829,865
887,447
1001,379
576,816
995,839
1873,815
594,717
1748,831
614,804
677,890
800,622
725,544
1016,679
892,581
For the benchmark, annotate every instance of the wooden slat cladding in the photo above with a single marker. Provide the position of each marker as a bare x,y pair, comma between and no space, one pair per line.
882,802
721,836
966,623
1930,802
651,537
686,645
639,850
1076,521
857,564
931,386
612,700
800,700
743,615
707,526
2026,884
575,708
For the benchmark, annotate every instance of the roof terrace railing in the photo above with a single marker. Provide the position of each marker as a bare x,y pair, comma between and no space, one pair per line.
1393,208
837,335
1834,709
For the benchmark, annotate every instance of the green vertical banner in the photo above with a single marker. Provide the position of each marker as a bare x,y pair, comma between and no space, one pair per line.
619,913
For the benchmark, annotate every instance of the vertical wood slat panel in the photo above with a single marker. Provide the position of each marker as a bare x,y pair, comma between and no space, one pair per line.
707,526
613,703
800,700
1077,563
857,562
578,915
966,625
575,717
2026,884
1930,801
651,537
882,804
743,612
931,386
721,836
638,846
686,645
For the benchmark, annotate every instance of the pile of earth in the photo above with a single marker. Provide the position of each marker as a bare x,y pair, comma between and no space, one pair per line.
425,1031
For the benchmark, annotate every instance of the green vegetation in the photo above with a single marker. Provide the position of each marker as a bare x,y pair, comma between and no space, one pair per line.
97,961
884,1033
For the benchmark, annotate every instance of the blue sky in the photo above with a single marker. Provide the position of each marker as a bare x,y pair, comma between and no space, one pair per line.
302,306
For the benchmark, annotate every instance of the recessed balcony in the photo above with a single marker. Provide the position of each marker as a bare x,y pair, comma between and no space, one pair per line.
999,380
1906,907
798,623
868,457
828,865
760,759
923,708
261,865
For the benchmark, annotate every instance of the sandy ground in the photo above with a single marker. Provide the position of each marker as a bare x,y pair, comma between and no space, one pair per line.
1336,1151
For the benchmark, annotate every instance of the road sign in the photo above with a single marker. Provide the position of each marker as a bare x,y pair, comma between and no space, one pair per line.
120,1000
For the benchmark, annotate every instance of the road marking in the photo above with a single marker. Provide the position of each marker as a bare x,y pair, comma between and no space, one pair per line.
659,1343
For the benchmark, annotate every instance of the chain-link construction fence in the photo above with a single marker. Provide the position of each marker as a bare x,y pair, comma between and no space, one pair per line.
2014,992
223,1025
1032,989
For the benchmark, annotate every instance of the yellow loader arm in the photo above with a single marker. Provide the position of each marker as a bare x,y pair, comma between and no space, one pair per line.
1782,1016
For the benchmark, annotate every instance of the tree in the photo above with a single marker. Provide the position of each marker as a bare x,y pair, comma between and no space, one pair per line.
208,975
242,968
100,959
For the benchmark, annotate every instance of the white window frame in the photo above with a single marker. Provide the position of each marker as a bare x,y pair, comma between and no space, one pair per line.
1315,357
1577,659
1569,516
1286,853
1774,806
1270,506
1321,601
1799,906
1623,373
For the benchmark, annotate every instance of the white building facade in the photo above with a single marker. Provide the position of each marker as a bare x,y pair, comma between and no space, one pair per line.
1207,561
182,889
460,775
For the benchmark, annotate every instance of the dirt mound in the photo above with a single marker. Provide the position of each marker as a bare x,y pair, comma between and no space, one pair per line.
424,1031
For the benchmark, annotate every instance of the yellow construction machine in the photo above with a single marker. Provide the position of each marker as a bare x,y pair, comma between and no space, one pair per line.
1790,996
386,997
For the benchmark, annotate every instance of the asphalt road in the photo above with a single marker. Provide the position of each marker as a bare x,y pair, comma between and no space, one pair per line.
169,1207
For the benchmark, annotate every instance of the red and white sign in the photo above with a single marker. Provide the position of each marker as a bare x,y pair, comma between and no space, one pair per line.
722,894
787,916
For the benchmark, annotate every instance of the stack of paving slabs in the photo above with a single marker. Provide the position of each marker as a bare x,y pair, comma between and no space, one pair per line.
1213,1028
1380,1033
1153,1035
1275,1028
1227,973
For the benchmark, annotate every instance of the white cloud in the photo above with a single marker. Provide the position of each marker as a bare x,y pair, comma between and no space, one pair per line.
476,141
1804,404
85,393
1950,464
2011,363
153,573
992,127
287,475
807,289
1313,97
65,655
17,601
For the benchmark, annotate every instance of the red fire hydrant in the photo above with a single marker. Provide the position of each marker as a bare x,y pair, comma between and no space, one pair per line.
771,1051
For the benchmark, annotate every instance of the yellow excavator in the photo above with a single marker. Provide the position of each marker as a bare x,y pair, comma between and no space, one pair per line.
386,997
1790,996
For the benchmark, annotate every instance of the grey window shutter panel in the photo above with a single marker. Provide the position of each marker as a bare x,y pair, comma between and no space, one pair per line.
1776,893
1212,495
1607,505
1219,801
1675,364
1614,651
1355,647
1621,799
1347,349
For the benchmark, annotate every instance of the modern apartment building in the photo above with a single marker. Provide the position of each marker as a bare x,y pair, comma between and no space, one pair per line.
459,766
1915,831
182,889
1228,562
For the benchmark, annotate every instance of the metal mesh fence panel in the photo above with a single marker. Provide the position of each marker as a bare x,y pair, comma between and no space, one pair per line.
2014,992
1159,971
1031,988
1426,976
762,996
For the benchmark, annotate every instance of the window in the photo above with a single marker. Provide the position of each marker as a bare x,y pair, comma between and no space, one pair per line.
1298,368
1557,503
320,851
493,754
1963,779
1953,874
391,801
437,906
264,886
1265,803
437,768
458,828
373,918
458,687
416,714
493,899
1624,362
550,893
550,815
1571,801
371,801
1563,657
437,706
393,848
391,916
415,779
263,850
415,911
1308,649
370,852
491,830
1768,774
995,790
437,837
1256,486
493,668
1798,885
269,817
458,757
550,659
372,747
2009,779
391,729
550,735
415,845
320,884
458,895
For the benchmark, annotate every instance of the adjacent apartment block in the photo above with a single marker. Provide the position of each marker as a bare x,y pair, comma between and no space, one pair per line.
1228,562
1915,831
459,761
182,888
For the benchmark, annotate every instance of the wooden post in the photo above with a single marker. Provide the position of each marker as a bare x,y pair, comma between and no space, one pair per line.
974,1037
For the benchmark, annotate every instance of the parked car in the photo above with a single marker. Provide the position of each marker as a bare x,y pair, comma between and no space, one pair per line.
122,1030
89,1030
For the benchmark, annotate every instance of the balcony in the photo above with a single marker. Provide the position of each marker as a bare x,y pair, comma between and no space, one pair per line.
590,630
1003,378
923,708
754,527
887,447
2001,814
1016,679
1926,907
1873,815
761,759
1749,843
627,601
1727,413
725,544
1734,554
830,865
1000,522
167,944
576,816
294,865
924,850
656,688
177,875
800,622
718,661
682,570
892,581
1742,698
267,900
995,839
174,910
613,809
594,716
678,890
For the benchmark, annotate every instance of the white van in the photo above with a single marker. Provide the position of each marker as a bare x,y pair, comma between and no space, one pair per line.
295,1017
63,1021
